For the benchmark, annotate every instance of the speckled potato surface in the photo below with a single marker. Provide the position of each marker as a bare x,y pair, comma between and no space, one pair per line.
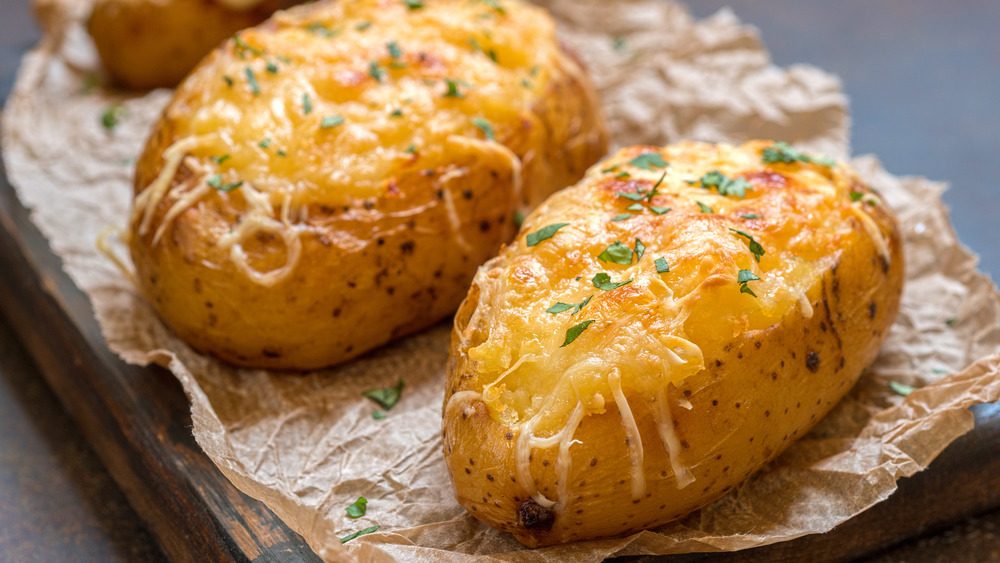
146,44
618,374
331,180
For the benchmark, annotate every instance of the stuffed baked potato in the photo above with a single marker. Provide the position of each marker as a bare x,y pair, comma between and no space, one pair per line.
332,179
661,330
147,44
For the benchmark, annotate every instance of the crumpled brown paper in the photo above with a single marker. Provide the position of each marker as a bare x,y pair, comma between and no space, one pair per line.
307,446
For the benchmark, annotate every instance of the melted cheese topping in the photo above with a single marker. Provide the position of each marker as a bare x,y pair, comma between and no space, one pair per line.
651,332
401,80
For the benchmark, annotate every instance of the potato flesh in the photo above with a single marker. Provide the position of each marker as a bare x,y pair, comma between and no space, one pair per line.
671,375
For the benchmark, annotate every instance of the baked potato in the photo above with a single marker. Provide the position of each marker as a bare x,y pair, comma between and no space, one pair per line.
146,44
331,180
659,331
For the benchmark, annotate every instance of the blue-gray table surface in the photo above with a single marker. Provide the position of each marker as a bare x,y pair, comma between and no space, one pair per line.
923,79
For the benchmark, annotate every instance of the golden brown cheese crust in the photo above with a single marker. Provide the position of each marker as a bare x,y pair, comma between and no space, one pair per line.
330,180
146,44
683,385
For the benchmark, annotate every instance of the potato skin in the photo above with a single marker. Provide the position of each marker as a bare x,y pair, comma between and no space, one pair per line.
383,213
147,44
759,382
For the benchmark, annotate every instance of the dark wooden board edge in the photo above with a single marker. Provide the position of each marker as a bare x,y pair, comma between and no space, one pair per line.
136,419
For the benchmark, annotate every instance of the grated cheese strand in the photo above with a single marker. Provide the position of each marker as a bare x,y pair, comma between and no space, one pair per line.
635,452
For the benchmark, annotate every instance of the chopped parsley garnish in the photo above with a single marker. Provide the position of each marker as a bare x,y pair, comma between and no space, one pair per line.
228,79
783,152
526,83
331,121
363,26
575,331
479,49
617,253
252,80
219,159
751,216
654,192
640,249
659,210
484,126
635,207
281,153
610,169
495,5
272,67
727,186
307,104
518,218
755,246
379,415
242,48
637,196
413,4
704,208
396,113
453,91
661,265
901,388
950,321
216,182
544,233
649,161
603,281
350,537
857,196
559,307
320,29
112,115
412,149
375,71
742,278
265,143
621,217
387,397
394,50
619,43
623,175
358,509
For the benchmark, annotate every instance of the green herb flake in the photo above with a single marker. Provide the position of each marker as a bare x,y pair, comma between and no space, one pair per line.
375,71
659,210
242,48
394,50
755,246
649,161
396,113
704,208
621,217
534,71
412,149
635,207
307,104
939,371
901,388
610,169
386,397
252,80
619,43
90,82
219,159
518,218
272,67
350,537
950,321
623,175
574,332
742,278
485,127
453,91
603,281
282,153
363,26
661,265
544,233
495,5
414,4
783,152
751,216
857,196
617,253
319,29
727,186
112,116
640,249
559,307
229,80
526,83
216,182
358,509
379,415
265,143
581,305
638,196
331,121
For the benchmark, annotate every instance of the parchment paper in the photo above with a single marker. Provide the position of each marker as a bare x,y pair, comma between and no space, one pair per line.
307,446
